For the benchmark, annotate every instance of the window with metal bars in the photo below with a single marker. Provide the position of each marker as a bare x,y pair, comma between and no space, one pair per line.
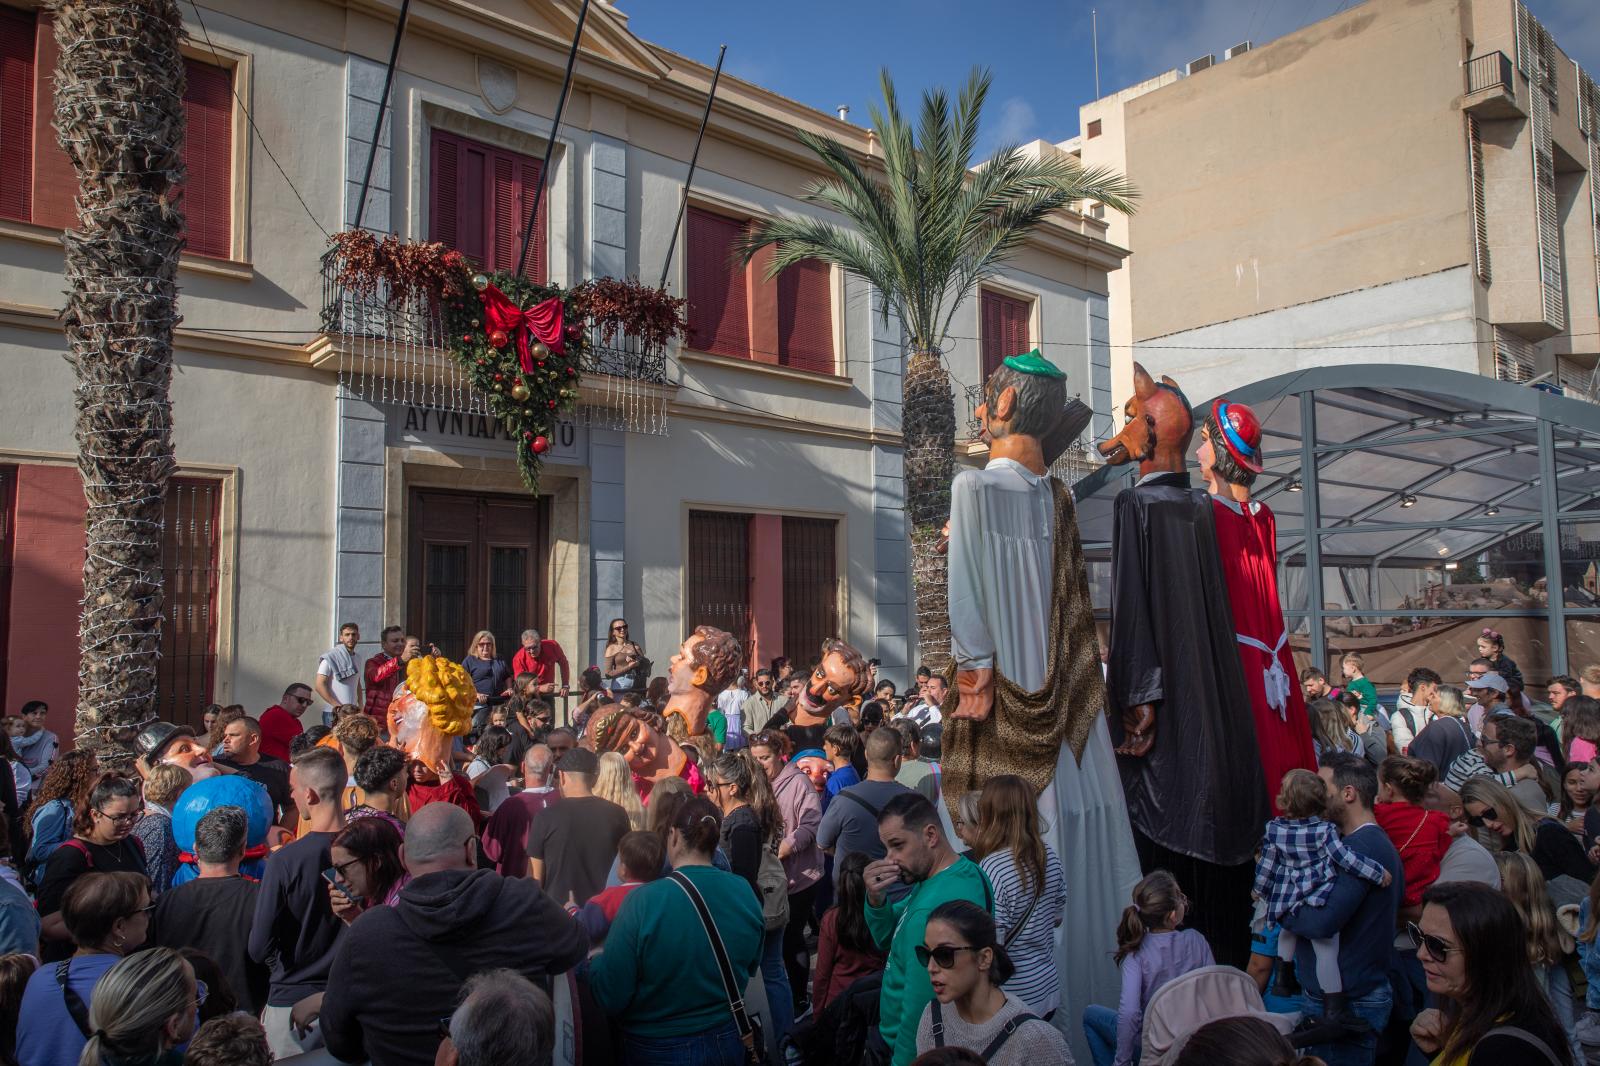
810,586
1480,215
1513,356
190,542
717,577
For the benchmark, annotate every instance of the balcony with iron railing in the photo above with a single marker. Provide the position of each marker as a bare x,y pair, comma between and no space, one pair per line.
392,350
1491,88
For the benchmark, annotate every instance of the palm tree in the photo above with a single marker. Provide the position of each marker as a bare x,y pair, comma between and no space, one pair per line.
925,236
119,116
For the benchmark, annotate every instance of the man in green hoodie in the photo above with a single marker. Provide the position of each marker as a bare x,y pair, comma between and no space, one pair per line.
919,855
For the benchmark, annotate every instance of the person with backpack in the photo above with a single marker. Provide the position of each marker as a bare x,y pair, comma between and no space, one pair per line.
967,966
102,840
107,916
56,798
751,830
850,824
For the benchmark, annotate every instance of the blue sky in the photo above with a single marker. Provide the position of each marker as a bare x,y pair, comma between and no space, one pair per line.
828,52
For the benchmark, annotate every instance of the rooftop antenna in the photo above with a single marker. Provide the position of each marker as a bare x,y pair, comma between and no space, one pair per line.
844,112
1094,33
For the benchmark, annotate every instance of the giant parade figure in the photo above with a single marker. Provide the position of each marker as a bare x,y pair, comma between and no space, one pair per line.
1247,538
1178,697
1027,664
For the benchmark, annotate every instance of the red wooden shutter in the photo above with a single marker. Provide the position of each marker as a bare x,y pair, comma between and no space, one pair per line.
459,184
1003,324
513,179
190,537
810,585
16,114
443,187
55,182
538,267
718,304
805,317
208,157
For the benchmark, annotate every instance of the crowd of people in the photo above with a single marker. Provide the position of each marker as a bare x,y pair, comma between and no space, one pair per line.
805,894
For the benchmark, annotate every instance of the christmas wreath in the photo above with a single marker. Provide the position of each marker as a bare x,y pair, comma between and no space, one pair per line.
522,344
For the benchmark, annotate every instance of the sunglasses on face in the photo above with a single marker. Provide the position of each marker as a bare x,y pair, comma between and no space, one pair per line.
304,701
1477,820
943,956
1438,948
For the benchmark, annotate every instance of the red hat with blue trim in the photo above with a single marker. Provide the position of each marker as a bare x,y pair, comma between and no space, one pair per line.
1241,433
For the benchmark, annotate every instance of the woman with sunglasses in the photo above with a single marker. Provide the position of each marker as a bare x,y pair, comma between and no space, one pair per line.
103,841
623,658
1492,1009
967,967
1492,807
490,676
365,859
108,916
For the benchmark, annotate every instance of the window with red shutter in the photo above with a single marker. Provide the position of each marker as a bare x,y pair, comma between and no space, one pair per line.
1003,329
207,195
479,197
55,182
719,305
16,113
805,317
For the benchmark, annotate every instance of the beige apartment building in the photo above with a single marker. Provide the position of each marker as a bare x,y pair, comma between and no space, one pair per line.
1408,181
752,478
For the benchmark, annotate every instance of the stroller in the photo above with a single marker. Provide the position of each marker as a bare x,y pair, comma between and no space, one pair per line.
1185,1003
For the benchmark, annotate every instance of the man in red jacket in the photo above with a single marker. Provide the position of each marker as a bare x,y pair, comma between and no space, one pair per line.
280,723
540,658
385,670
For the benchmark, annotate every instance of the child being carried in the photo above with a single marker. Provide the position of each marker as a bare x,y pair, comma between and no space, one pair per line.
1300,859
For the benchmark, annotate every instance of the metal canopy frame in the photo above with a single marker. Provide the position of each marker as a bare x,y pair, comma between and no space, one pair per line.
1421,409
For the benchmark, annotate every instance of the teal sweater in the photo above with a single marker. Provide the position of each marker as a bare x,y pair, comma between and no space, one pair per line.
657,975
898,928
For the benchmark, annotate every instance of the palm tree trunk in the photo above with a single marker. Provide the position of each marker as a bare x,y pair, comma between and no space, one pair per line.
119,116
929,426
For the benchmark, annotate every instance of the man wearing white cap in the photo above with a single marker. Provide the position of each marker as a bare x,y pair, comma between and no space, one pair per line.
1489,690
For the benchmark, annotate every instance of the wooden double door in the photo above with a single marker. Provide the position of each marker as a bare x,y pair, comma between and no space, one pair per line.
476,561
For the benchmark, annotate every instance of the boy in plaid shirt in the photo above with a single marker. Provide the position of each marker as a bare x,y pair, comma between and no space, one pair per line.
1300,859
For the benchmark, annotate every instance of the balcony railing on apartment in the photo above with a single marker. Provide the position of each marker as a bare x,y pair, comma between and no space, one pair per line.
1078,461
393,351
1491,92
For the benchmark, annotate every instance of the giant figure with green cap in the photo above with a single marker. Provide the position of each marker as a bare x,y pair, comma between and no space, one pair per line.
1031,700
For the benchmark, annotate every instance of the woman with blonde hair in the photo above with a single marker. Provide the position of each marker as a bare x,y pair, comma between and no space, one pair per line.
1549,944
490,675
615,783
144,1010
1330,729
1492,807
1029,888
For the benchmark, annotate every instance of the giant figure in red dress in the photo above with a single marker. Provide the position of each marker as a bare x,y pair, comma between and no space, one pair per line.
1247,538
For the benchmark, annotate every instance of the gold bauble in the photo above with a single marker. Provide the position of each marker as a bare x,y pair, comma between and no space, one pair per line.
540,350
519,392
480,281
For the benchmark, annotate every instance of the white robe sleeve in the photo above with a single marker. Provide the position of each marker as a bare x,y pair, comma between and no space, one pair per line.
971,641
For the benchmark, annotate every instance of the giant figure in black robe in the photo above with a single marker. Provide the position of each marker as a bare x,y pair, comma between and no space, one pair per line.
1190,769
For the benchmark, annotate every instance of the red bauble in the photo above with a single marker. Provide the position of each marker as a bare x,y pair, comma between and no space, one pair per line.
499,377
571,373
552,405
483,362
466,338
573,332
540,364
499,339
541,445
527,434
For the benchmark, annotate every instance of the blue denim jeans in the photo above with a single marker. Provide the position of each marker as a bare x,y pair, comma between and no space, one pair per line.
1100,1029
780,997
1373,1008
714,1047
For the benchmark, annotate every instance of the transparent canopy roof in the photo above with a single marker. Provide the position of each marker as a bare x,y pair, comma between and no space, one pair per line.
1430,487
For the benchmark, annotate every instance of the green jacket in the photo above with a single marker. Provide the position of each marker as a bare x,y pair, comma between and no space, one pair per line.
1367,691
898,928
657,974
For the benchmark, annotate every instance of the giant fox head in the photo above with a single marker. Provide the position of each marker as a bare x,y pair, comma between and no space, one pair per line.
1158,426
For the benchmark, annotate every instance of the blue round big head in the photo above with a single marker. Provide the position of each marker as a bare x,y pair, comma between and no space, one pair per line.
225,790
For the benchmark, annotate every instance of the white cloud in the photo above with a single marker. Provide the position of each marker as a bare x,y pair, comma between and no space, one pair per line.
1142,38
1012,122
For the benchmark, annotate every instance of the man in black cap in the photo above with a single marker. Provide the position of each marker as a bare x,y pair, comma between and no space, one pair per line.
571,843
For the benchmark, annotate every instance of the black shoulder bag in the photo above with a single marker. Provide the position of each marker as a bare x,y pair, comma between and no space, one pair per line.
1011,1025
755,1046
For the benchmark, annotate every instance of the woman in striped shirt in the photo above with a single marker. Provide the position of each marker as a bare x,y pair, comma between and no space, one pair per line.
1029,893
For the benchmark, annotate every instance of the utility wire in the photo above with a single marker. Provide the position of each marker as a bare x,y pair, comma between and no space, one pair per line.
253,127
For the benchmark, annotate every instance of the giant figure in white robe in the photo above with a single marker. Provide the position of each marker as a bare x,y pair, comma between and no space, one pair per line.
1031,692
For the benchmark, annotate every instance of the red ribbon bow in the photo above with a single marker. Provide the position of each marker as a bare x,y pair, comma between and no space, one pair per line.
543,320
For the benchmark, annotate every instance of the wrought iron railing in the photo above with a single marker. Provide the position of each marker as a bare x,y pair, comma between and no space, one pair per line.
1079,460
415,322
1492,70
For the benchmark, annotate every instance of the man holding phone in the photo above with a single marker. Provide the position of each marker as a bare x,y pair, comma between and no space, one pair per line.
916,853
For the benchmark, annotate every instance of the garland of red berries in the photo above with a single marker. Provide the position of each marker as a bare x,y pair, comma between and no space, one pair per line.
528,402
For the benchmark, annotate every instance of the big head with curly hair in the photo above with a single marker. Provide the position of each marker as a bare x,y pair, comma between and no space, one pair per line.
840,677
706,662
